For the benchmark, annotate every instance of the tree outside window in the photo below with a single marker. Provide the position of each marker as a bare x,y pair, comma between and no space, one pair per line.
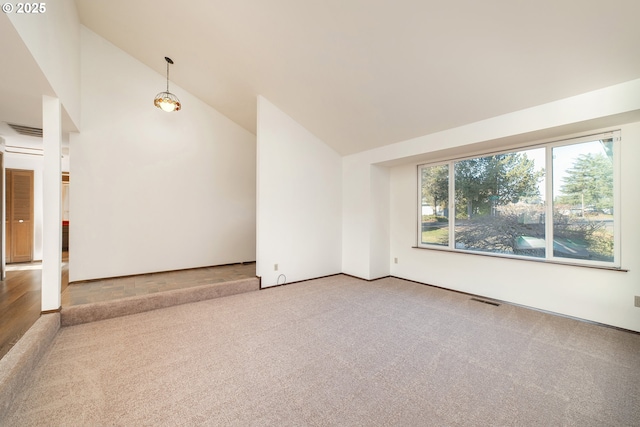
500,203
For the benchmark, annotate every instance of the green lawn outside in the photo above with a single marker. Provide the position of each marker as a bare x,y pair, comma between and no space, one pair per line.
438,236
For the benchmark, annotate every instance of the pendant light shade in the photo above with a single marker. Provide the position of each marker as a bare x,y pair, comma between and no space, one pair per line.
167,101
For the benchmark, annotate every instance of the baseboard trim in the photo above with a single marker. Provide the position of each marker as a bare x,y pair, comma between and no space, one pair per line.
592,322
300,281
468,294
366,280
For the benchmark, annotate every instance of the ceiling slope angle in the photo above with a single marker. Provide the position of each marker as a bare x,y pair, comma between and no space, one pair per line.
22,85
361,75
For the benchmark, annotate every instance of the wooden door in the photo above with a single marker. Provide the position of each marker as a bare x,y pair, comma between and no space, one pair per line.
19,215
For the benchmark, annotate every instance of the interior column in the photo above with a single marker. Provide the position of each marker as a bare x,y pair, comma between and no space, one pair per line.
52,204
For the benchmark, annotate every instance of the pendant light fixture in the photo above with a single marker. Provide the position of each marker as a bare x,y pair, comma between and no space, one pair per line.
167,101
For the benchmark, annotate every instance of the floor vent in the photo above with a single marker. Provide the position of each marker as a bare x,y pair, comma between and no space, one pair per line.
26,130
485,302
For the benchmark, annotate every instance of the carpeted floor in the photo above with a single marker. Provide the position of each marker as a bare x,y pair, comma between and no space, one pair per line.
116,288
336,351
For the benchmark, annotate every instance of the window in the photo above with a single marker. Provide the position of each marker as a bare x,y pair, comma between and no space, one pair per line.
435,205
499,203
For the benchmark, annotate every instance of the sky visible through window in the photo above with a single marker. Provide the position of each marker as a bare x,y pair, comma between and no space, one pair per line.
562,163
501,202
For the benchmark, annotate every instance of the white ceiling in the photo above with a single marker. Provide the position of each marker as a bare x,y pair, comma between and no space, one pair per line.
365,73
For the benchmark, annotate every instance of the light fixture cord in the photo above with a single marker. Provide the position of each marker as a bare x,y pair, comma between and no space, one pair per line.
167,76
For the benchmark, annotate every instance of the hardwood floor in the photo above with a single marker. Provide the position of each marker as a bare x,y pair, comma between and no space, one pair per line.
19,305
20,300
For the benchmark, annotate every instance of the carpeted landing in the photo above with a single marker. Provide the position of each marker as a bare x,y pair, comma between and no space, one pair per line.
101,310
336,351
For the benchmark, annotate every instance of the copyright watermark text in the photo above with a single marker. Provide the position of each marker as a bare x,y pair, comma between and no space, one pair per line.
29,8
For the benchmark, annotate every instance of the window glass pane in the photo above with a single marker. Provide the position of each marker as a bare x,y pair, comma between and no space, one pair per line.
583,201
500,203
434,224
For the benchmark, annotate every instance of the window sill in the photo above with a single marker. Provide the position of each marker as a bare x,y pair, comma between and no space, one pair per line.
517,258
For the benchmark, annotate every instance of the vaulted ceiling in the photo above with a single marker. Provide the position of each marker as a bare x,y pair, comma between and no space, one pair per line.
22,85
361,74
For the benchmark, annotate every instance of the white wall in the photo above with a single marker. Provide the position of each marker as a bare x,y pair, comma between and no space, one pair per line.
299,201
599,295
380,222
154,191
53,39
357,221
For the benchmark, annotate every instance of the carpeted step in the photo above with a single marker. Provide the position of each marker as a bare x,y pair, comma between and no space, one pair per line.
17,364
84,313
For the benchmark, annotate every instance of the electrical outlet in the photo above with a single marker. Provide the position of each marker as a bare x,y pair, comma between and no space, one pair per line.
395,260
637,303
275,267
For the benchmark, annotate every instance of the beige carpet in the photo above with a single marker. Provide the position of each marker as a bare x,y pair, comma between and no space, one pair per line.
336,351
101,310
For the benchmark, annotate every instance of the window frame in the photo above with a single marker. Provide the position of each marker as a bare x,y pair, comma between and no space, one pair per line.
614,135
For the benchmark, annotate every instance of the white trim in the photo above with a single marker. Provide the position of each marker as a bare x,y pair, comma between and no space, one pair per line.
548,200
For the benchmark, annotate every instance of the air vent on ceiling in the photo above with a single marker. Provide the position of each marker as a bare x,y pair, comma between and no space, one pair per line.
26,130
